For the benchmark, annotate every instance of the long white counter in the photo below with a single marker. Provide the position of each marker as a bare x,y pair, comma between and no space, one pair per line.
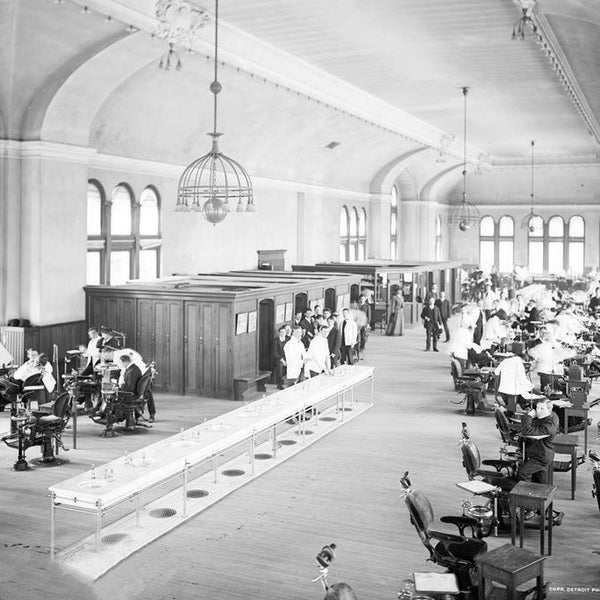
118,481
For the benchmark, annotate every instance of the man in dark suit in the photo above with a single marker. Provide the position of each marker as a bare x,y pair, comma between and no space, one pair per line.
443,305
131,375
334,341
432,321
278,357
308,327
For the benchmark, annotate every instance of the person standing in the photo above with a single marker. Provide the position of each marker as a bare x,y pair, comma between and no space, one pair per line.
514,385
349,337
432,321
443,305
365,322
278,357
295,356
395,325
308,327
317,356
334,341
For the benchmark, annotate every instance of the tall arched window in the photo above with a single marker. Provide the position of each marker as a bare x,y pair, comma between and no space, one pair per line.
506,237
535,244
353,230
438,237
124,237
487,244
576,245
344,238
556,245
362,234
121,242
394,223
95,245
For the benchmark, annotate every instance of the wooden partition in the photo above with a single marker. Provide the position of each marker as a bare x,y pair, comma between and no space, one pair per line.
378,278
206,331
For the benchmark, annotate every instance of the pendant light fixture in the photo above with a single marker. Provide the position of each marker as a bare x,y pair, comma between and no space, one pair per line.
210,182
465,214
532,221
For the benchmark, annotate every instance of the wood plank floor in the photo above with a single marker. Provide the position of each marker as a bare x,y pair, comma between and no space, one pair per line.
260,542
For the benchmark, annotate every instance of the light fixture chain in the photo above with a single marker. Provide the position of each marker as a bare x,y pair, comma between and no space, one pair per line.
465,91
215,88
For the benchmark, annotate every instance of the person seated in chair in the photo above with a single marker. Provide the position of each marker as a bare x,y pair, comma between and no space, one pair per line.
131,374
539,453
514,386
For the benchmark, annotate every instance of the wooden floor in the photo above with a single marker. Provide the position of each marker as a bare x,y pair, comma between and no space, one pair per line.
260,542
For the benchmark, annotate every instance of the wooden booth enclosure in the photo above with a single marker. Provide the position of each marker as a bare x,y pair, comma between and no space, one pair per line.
211,334
381,278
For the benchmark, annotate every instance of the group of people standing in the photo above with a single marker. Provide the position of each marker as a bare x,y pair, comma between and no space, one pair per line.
319,341
435,315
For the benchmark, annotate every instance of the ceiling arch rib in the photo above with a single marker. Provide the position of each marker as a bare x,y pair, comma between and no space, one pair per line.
34,117
441,185
73,107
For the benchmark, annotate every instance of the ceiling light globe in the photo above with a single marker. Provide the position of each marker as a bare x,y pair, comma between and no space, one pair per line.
214,210
464,225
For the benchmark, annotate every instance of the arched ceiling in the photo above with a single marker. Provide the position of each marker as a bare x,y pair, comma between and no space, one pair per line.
78,78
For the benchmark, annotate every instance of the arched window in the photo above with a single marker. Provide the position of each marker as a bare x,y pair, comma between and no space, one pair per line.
535,245
362,234
556,245
124,237
576,245
120,212
149,235
344,238
438,237
506,243
487,245
95,245
394,223
353,247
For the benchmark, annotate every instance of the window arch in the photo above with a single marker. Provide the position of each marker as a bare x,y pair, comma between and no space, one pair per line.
121,211
556,246
535,244
362,234
576,245
124,236
487,245
353,234
344,231
95,225
505,244
394,223
149,234
496,243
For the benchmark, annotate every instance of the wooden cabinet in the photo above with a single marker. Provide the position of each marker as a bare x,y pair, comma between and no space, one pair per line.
159,337
207,343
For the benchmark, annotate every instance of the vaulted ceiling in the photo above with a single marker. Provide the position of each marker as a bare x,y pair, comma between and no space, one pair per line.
382,78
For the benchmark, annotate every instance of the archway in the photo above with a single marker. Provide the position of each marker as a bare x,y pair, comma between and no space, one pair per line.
330,299
300,302
266,333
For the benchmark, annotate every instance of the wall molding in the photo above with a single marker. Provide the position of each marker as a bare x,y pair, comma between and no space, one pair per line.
45,150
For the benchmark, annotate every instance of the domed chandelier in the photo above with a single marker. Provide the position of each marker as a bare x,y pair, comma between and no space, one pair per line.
465,214
210,182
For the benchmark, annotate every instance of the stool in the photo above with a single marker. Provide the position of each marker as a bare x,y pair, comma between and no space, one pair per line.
532,496
511,567
565,444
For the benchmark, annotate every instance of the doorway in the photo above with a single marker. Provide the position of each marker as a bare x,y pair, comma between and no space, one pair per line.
266,333
330,299
300,302
354,293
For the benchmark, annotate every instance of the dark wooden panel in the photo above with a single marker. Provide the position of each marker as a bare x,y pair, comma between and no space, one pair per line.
175,347
192,347
223,354
208,378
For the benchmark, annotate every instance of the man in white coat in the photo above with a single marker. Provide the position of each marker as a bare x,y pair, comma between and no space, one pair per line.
349,337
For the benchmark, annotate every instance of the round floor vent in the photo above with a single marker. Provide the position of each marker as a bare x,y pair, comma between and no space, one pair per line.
162,513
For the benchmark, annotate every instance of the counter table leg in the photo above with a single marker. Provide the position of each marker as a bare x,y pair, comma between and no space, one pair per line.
52,516
185,488
274,441
98,525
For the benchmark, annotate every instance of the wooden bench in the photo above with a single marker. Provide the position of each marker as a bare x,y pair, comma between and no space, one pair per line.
243,382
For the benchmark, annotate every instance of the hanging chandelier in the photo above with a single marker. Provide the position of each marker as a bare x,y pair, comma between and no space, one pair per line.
211,182
465,214
531,221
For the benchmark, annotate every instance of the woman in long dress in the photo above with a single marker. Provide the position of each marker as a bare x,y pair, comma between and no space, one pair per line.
395,325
